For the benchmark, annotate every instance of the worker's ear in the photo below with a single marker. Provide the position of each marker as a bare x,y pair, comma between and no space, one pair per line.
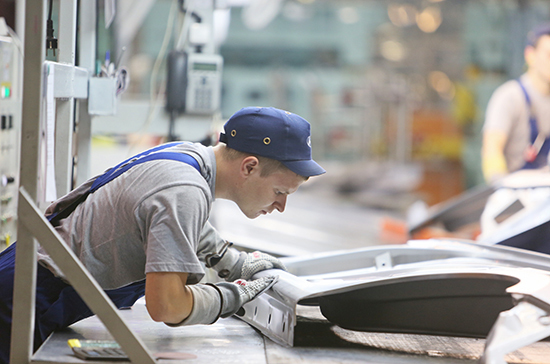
249,165
529,54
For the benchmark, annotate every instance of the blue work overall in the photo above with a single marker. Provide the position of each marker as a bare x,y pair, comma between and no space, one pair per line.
535,239
57,303
542,156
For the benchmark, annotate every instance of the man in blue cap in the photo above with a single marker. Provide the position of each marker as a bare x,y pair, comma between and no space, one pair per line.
142,227
516,133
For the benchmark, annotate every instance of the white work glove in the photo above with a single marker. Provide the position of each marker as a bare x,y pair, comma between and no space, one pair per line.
234,264
212,301
230,263
236,294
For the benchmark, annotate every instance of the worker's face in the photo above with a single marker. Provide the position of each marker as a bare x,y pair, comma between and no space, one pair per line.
262,195
539,58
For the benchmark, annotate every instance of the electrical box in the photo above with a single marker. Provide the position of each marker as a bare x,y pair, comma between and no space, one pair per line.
194,83
10,133
204,83
102,96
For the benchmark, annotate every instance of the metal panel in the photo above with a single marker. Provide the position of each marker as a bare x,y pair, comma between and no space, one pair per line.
425,281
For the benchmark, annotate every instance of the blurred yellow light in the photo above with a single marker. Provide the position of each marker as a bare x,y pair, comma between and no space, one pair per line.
429,19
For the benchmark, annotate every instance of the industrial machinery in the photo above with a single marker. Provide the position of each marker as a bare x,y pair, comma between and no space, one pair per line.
513,212
10,129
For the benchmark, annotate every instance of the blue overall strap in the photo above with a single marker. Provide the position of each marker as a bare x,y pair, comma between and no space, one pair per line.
148,155
532,119
129,163
542,156
121,168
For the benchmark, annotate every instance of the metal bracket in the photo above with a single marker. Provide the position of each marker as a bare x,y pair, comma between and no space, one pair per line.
525,324
522,325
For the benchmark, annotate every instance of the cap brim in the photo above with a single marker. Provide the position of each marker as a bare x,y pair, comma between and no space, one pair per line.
306,168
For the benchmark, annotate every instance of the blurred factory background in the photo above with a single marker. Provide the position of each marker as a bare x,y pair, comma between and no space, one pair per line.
395,90
391,88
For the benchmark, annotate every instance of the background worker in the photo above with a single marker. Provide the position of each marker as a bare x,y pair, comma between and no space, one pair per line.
517,123
142,228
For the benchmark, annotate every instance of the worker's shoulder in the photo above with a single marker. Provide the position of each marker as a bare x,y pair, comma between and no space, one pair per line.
509,88
509,94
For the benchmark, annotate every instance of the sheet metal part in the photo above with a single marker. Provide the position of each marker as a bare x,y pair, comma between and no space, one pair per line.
460,286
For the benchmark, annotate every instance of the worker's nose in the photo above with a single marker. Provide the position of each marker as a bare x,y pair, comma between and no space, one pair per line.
280,203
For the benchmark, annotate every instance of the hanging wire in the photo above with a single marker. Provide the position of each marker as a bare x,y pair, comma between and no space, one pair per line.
154,97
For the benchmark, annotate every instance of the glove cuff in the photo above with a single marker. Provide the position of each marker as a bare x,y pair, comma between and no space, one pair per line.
207,305
231,300
230,265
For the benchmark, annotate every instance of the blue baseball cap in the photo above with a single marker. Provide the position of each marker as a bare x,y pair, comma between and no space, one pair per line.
275,134
534,35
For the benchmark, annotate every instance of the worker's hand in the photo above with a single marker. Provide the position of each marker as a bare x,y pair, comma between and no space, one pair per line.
246,265
236,294
212,301
256,262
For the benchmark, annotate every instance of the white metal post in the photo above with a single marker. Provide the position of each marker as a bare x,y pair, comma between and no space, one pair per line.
25,261
86,59
65,107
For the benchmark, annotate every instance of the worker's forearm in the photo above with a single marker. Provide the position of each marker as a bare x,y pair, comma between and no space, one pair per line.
167,296
172,310
207,306
493,162
494,167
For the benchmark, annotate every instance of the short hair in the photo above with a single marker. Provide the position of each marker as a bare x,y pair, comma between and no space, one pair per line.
536,33
269,165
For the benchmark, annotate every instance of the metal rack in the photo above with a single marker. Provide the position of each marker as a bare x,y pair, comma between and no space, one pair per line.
32,226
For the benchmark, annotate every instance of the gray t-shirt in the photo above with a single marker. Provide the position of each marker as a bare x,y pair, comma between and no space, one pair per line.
149,219
507,111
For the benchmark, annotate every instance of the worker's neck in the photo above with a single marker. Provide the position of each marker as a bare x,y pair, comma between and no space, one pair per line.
539,83
224,175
